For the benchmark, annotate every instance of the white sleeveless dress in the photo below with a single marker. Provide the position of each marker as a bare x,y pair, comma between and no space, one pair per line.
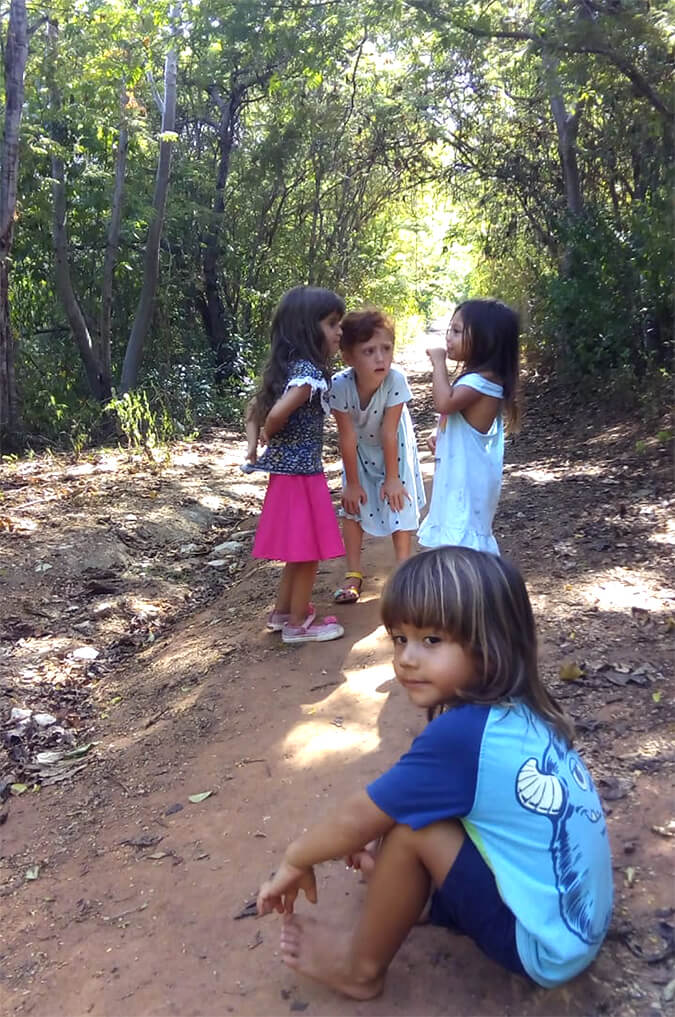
468,478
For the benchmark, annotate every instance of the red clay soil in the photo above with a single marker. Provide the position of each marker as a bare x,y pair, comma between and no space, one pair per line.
135,907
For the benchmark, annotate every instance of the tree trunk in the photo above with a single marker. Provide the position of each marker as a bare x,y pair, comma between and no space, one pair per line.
567,127
112,243
99,383
217,322
16,55
146,302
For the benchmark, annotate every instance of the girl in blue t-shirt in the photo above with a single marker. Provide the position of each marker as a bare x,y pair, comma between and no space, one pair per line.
297,523
490,809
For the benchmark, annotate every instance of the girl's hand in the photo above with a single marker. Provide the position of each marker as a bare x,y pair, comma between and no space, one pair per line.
393,492
431,443
353,496
364,860
437,355
279,892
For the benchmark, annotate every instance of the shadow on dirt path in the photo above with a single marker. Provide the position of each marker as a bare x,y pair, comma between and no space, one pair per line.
133,908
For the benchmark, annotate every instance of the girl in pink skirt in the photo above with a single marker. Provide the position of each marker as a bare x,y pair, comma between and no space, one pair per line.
298,524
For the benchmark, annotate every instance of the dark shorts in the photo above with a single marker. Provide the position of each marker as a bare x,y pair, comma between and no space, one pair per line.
468,902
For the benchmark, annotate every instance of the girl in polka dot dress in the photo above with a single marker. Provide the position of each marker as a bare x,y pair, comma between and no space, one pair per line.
382,484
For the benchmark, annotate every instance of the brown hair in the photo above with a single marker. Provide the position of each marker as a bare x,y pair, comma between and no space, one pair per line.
480,601
360,326
296,335
491,337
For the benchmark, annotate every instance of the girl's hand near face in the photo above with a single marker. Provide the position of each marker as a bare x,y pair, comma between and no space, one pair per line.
353,496
437,355
431,442
279,892
393,492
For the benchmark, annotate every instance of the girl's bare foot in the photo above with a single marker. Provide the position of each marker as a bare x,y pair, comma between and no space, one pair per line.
323,953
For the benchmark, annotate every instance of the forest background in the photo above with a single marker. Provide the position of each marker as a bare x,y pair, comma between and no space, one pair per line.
168,170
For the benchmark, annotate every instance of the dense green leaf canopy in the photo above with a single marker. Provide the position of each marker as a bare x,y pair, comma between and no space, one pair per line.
406,153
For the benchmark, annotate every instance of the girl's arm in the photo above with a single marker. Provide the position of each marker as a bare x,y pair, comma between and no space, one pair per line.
355,823
446,398
392,490
288,403
353,494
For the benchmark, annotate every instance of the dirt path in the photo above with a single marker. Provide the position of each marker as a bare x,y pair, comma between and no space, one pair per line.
133,907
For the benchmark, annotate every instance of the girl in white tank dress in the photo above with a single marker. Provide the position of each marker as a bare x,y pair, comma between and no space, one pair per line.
469,443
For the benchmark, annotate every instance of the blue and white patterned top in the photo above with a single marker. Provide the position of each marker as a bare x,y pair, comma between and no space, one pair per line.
297,447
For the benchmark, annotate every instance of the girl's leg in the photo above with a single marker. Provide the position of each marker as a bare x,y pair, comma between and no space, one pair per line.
355,963
283,601
352,534
350,591
402,541
302,584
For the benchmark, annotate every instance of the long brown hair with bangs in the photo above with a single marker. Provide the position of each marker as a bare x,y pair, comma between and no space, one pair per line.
491,338
296,334
481,602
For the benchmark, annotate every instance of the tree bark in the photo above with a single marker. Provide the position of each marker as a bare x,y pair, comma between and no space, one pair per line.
146,301
217,325
99,384
16,55
112,242
567,127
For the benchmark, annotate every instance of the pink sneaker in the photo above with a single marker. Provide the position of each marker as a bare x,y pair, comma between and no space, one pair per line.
276,620
313,632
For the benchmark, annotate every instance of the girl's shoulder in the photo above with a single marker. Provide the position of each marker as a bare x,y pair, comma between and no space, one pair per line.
464,722
343,377
481,383
304,370
396,385
397,377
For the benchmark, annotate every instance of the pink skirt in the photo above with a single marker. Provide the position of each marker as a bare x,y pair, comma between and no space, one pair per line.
298,522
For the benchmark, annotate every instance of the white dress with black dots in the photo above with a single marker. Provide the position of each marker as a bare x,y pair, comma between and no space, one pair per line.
375,516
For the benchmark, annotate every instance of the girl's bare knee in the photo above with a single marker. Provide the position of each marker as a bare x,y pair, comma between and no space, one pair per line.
447,829
435,846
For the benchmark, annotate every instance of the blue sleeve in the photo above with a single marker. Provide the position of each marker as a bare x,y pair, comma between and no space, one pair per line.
436,778
397,388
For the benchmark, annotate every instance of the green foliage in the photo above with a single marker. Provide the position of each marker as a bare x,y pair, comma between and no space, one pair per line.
609,312
146,427
403,154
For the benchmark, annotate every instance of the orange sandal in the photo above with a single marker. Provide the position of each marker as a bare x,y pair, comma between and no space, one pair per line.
350,592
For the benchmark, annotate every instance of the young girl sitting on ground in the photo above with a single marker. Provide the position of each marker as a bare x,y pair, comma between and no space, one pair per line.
490,807
382,484
469,444
297,523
